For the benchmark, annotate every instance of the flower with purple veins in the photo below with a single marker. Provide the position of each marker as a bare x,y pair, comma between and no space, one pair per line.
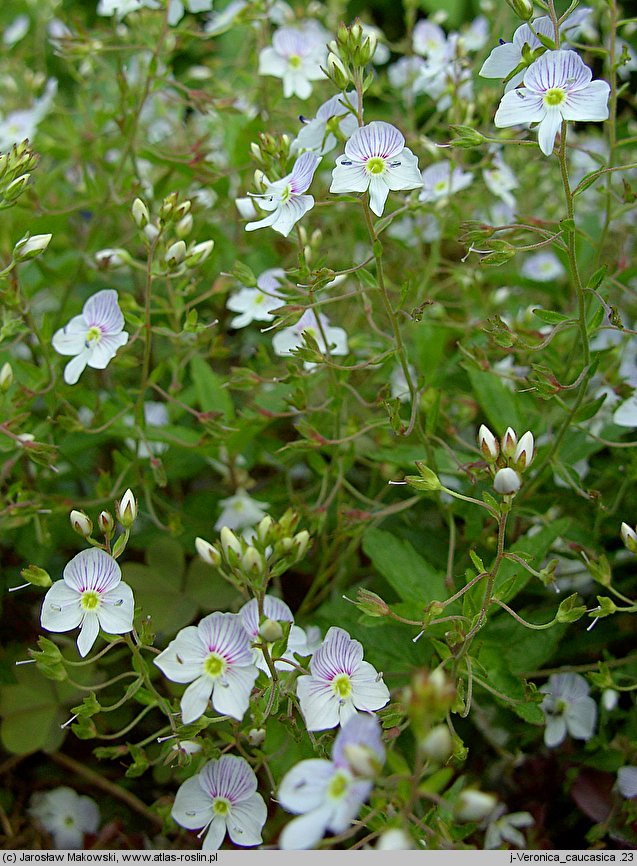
295,56
215,657
557,87
276,610
93,337
340,683
327,795
284,198
222,798
318,135
377,160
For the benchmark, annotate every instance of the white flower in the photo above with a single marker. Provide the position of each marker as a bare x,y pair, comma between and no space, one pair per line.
500,180
409,75
339,684
274,610
328,794
377,160
543,267
176,9
504,828
254,305
557,87
318,134
240,511
506,481
296,56
215,657
93,337
90,595
398,385
155,415
430,41
222,798
121,8
288,339
627,782
284,198
65,815
441,180
16,31
568,708
19,125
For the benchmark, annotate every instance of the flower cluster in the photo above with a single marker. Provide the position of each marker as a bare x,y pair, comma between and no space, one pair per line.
506,458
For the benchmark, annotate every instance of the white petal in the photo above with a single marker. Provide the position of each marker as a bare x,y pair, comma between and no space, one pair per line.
548,129
378,192
627,782
284,341
555,731
376,139
349,177
194,700
102,310
305,832
182,660
233,696
319,704
104,351
517,107
70,341
116,610
581,718
61,610
246,821
75,368
271,63
303,172
502,60
88,633
348,807
92,569
291,212
214,836
304,787
626,414
590,103
262,223
368,691
406,174
192,808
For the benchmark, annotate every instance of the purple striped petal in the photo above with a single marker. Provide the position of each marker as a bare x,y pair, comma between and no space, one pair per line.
376,139
563,69
230,777
92,569
273,608
338,654
102,311
303,172
224,634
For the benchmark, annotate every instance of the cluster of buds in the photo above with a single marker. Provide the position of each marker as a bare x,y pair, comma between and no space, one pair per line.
174,215
507,459
15,172
126,511
629,537
272,152
428,699
349,53
272,548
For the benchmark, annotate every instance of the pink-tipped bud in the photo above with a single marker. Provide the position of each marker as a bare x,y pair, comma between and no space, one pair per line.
488,444
106,523
509,442
126,509
524,452
506,482
81,523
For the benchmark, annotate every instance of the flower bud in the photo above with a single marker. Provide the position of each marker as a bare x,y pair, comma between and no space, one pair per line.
175,254
368,48
466,136
395,839
270,630
81,523
474,805
6,377
610,699
437,745
184,226
429,698
181,210
524,452
140,213
371,604
522,8
106,523
337,72
209,554
151,231
37,576
263,528
488,444
198,253
363,760
126,509
256,736
252,562
111,258
301,541
629,537
506,482
30,247
230,545
509,442
16,187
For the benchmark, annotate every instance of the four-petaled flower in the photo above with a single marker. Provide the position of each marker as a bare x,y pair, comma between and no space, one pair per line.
557,87
328,794
284,198
568,708
318,134
90,595
254,304
222,798
441,180
93,337
65,815
339,684
240,511
377,160
295,56
215,657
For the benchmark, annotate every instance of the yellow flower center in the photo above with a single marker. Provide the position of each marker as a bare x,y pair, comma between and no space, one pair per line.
554,96
295,61
375,165
337,786
286,193
342,686
215,665
93,334
221,806
90,600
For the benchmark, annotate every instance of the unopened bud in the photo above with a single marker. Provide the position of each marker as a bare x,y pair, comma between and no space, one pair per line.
509,442
337,71
301,541
198,253
506,482
207,552
524,452
182,209
81,523
106,523
256,736
16,187
368,48
175,254
437,745
474,805
363,760
488,444
429,699
126,509
140,213
6,377
629,537
256,151
610,699
395,839
37,576
263,529
230,545
151,231
270,631
30,247
111,258
252,562
184,226
522,8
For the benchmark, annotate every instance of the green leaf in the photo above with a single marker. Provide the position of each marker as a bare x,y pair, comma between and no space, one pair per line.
411,576
211,396
551,317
